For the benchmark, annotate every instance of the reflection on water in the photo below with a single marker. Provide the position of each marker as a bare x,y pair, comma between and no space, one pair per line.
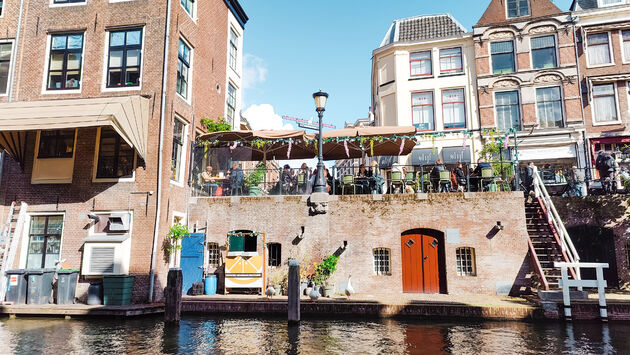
203,335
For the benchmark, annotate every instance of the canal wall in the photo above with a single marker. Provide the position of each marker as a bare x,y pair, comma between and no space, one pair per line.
367,222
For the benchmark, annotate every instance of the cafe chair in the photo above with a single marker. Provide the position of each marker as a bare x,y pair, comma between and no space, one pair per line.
427,186
410,180
302,182
487,178
445,181
348,181
397,181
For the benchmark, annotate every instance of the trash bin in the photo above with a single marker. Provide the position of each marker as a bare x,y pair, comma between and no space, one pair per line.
95,294
210,285
39,286
66,285
16,286
117,290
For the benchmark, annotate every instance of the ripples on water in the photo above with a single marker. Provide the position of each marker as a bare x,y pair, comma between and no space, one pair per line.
218,335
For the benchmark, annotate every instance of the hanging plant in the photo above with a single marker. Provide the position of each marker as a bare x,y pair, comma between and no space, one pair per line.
175,234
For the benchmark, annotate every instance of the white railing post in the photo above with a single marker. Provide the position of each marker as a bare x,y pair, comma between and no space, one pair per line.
600,283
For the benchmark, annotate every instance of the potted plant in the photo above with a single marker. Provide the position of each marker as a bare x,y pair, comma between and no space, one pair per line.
254,179
323,271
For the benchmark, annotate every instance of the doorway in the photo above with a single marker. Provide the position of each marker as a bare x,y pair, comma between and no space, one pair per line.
422,262
596,245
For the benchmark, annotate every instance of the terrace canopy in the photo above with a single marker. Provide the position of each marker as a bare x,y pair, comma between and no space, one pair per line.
373,141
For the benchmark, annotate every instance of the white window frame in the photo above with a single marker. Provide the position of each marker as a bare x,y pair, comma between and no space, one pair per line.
389,263
45,90
610,51
182,171
27,231
227,95
11,63
562,105
193,11
104,87
237,58
507,15
520,106
592,104
600,3
531,56
52,4
624,60
514,57
188,98
473,262
97,147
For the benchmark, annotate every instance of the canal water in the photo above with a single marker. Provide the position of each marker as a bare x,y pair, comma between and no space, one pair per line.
229,335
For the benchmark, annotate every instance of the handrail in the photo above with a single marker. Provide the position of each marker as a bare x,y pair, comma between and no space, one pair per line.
554,219
539,269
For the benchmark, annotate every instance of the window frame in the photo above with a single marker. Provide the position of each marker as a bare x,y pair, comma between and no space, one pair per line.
10,61
461,60
459,262
55,91
601,4
514,60
181,172
463,89
610,51
27,241
411,61
2,9
233,51
376,267
39,142
97,150
617,108
432,107
624,60
106,86
229,105
189,65
54,3
555,50
193,9
507,11
520,107
214,254
278,258
562,108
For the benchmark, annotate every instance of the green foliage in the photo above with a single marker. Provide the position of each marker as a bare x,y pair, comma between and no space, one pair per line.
177,232
491,153
218,125
256,177
325,269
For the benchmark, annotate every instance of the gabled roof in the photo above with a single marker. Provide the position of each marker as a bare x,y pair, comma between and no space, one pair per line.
496,12
419,28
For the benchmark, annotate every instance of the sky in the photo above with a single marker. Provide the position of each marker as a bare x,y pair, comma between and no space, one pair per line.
294,48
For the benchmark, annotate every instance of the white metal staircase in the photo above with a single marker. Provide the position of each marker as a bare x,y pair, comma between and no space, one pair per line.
9,239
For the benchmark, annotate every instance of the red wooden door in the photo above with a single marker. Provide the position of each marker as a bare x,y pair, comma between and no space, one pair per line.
420,270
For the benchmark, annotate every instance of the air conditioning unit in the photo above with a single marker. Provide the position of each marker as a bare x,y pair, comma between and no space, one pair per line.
105,259
118,222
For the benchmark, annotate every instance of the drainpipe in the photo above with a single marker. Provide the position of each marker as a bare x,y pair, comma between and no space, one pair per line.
587,150
156,231
13,65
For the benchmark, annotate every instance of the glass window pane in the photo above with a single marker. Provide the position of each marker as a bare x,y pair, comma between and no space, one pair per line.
38,225
598,54
115,59
55,224
54,80
543,42
421,55
114,77
502,47
544,58
133,57
59,42
75,41
72,79
74,61
5,51
56,61
133,76
503,63
4,76
607,89
116,39
133,37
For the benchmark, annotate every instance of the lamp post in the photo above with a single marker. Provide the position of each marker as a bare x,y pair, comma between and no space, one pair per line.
320,106
517,172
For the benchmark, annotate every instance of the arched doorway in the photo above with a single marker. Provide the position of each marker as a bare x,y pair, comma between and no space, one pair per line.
423,267
596,245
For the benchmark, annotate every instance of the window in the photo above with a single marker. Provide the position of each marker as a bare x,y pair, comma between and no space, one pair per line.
44,242
422,110
604,103
598,49
625,37
67,1
188,6
381,261
544,52
466,262
214,255
517,8
502,57
275,254
64,67
508,111
233,49
115,156
454,108
123,66
5,61
603,3
549,107
420,63
231,104
1,6
56,144
451,61
179,136
183,69
242,244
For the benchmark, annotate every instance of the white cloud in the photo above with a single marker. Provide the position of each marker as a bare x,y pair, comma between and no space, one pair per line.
254,71
264,117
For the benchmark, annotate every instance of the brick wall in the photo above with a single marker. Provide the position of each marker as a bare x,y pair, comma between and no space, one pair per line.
496,11
366,224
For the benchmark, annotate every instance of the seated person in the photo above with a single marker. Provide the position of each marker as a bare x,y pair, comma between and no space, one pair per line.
476,174
287,180
207,181
376,180
363,179
236,179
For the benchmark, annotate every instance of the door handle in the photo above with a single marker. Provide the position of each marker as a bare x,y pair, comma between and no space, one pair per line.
425,258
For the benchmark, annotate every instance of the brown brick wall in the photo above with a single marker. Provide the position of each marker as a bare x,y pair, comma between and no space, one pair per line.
496,11
368,224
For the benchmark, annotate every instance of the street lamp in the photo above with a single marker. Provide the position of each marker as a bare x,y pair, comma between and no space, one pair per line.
320,106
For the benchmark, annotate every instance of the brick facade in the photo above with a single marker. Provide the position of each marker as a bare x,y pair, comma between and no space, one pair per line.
367,223
207,36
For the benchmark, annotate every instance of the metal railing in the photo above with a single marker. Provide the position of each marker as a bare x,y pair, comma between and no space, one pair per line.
554,219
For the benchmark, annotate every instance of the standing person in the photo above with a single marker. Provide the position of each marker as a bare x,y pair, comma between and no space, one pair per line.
579,181
236,179
605,166
286,179
460,177
435,174
376,179
530,174
363,179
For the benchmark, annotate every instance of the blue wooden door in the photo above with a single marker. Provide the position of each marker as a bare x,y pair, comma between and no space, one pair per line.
191,260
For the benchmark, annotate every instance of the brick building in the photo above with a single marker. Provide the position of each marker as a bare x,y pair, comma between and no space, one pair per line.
99,102
527,78
603,34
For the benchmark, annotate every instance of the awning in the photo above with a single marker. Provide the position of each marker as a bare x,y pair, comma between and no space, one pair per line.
547,153
127,115
609,78
336,149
